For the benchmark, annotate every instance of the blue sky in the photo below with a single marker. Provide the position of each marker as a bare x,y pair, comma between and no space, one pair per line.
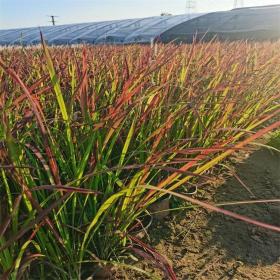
23,13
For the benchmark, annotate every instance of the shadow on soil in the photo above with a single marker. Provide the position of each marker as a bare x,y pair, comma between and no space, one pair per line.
205,245
247,243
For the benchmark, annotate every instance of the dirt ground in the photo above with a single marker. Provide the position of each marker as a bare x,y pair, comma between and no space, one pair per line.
203,245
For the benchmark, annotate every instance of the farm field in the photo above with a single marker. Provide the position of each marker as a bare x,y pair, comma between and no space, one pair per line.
205,245
92,136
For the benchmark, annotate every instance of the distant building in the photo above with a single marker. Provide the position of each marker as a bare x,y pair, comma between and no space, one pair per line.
253,23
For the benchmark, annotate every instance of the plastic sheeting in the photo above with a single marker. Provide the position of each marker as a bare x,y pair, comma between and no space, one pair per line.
252,23
128,31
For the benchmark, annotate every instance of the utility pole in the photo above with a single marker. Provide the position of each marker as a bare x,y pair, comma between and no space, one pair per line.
238,4
53,21
190,7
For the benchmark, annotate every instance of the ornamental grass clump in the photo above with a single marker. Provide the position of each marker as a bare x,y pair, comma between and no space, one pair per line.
91,136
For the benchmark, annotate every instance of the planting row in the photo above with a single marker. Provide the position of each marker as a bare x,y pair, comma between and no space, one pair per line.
90,137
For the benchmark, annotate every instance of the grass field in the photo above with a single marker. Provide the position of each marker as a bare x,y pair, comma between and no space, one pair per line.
91,136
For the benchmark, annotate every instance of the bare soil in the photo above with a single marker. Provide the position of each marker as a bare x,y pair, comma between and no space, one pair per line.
203,245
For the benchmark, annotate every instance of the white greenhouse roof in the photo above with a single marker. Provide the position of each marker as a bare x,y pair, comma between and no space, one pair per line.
127,31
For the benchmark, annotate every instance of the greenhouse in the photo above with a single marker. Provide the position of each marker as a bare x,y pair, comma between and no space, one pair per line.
141,30
259,23
253,23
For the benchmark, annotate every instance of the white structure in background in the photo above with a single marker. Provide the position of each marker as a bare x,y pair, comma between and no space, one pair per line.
238,4
190,7
140,30
251,23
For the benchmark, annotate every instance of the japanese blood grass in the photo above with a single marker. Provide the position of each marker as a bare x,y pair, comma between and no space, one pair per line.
91,136
274,140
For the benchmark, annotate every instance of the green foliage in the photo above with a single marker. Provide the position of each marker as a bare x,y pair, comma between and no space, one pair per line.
85,131
274,140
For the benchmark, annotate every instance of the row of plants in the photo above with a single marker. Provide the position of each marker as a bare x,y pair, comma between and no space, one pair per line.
90,137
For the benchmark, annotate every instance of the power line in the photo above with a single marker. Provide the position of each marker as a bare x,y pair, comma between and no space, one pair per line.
190,7
53,21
